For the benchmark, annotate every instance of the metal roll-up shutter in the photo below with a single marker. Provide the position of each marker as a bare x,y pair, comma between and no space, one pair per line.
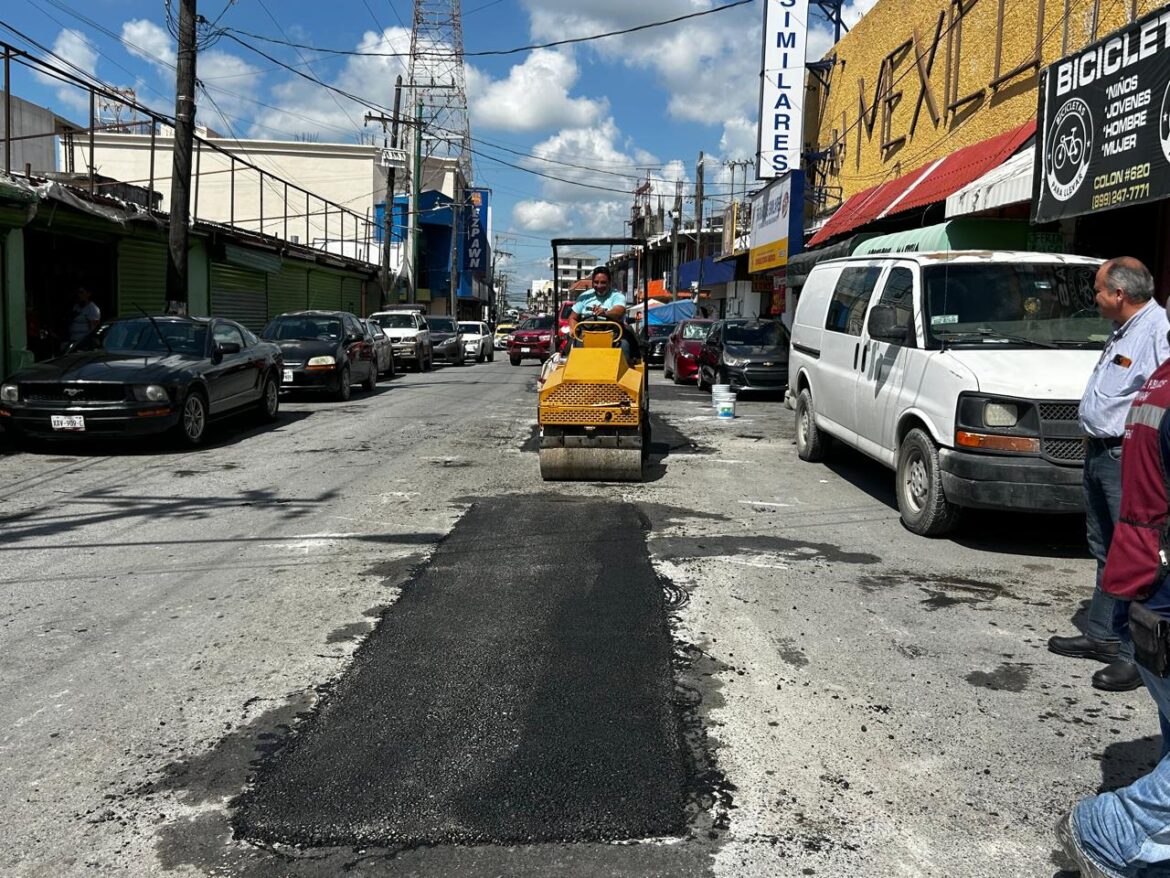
240,294
324,291
351,295
142,277
288,290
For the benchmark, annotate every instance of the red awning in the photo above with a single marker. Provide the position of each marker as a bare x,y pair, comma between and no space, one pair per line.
927,184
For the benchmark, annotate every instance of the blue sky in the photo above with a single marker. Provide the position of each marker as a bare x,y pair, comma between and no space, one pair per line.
615,107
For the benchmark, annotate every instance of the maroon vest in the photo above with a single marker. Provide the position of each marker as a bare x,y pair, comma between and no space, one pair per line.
1137,562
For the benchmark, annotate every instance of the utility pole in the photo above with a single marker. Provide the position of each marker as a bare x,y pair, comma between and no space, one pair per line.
677,214
415,189
180,206
453,286
699,223
388,212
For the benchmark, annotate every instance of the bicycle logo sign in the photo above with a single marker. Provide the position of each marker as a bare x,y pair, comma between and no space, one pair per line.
1069,148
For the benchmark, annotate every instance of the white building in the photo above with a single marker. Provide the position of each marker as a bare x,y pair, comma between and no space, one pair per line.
572,267
323,195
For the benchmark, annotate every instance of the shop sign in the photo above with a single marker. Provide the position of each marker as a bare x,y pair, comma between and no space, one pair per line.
475,253
781,119
1104,138
777,212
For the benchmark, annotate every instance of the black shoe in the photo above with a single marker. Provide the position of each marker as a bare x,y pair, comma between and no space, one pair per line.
1082,646
1121,676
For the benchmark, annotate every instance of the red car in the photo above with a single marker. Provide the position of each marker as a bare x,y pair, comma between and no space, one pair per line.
681,360
531,340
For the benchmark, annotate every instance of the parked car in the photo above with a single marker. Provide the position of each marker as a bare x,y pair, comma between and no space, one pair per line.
962,371
409,336
747,354
654,347
681,359
446,340
477,340
503,330
532,340
383,348
324,351
145,375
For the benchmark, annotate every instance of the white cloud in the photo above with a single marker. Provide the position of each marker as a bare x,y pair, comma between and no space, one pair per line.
534,96
74,47
540,216
229,80
311,109
739,138
149,41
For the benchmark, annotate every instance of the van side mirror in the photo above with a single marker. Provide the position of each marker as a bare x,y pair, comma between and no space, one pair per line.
883,325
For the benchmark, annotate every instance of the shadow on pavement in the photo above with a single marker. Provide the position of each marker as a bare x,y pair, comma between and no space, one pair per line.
220,434
1012,533
1123,762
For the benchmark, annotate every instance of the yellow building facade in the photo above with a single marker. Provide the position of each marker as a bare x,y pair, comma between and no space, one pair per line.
916,80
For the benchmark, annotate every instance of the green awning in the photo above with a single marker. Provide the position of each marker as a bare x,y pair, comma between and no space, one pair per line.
959,234
802,263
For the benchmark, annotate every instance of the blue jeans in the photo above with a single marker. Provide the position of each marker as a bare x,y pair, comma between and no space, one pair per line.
1102,486
1127,832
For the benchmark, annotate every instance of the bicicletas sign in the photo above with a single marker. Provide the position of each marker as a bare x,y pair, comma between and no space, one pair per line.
1104,133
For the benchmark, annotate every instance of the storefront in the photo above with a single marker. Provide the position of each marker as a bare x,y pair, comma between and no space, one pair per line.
922,99
777,236
1102,157
54,239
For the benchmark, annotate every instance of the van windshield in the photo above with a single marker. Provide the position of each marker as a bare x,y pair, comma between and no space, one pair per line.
1030,303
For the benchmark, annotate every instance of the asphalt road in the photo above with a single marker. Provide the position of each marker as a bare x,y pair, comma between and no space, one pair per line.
372,641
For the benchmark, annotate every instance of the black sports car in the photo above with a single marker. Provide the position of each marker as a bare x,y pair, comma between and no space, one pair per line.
324,350
145,375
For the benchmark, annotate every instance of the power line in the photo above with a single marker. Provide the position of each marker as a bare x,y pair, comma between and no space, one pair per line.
497,52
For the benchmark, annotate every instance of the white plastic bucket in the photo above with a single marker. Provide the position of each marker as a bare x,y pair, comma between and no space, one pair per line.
725,408
718,396
720,388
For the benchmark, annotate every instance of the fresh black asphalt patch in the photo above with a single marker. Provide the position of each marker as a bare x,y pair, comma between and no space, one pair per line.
519,691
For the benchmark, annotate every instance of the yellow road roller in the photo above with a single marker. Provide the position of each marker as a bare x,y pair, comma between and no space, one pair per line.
594,411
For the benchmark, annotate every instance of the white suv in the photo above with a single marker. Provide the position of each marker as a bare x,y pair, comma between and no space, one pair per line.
477,340
409,337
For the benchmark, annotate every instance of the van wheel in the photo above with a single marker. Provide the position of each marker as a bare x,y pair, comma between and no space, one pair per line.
811,441
924,508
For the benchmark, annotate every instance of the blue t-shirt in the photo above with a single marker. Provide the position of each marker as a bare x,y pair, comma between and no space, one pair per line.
584,305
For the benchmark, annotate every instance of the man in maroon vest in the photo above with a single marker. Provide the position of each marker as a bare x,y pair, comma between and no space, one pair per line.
1121,833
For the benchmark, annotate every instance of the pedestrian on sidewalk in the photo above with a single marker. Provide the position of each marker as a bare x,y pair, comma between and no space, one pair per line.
1121,833
1124,293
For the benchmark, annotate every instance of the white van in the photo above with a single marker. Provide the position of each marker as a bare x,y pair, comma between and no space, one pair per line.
960,370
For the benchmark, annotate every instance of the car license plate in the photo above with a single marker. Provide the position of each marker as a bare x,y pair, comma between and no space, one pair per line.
525,350
288,379
76,423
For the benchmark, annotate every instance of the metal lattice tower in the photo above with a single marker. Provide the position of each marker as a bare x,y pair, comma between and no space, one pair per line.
437,80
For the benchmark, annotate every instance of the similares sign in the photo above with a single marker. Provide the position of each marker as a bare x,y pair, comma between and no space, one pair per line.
781,121
1104,138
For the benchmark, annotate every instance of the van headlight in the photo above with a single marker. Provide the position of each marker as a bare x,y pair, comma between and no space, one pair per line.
989,423
150,393
9,393
1000,414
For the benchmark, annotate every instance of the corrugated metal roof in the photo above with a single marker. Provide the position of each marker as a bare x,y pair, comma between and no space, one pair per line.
926,184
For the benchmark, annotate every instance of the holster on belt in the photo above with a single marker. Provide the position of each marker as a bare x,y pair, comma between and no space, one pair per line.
1150,633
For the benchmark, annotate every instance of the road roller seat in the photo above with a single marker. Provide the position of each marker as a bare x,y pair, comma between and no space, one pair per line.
607,334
